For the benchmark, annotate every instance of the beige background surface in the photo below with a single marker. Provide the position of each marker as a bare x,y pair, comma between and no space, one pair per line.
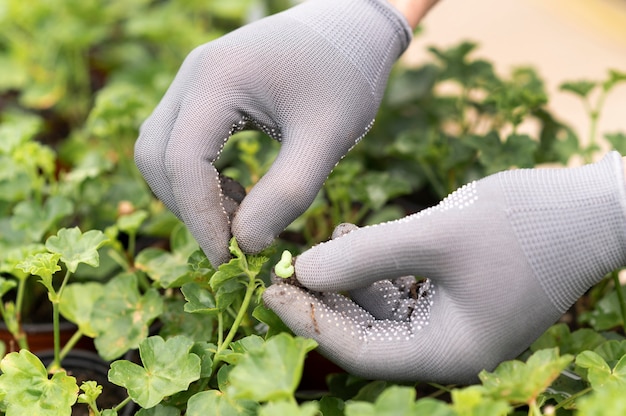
564,40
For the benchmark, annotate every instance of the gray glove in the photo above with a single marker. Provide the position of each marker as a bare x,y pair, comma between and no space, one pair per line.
505,257
311,77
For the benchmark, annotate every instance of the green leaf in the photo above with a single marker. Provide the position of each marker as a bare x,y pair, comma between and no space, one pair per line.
271,372
475,401
77,304
36,220
159,410
614,78
238,349
393,401
568,343
213,402
123,316
199,299
331,406
580,88
76,247
617,141
520,382
130,223
175,321
599,373
604,401
28,390
168,368
432,407
205,351
289,408
43,265
606,314
6,286
169,270
377,188
268,317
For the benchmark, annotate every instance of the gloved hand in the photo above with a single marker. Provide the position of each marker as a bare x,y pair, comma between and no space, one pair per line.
505,257
311,77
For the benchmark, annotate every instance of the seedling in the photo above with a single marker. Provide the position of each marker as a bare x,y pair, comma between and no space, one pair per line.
284,268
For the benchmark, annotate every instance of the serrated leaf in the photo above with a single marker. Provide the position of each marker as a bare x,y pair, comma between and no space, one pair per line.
28,390
76,247
168,368
271,372
474,401
601,402
520,382
199,299
77,304
213,402
43,265
599,373
168,269
122,317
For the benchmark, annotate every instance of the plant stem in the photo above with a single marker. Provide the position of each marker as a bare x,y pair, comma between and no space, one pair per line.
56,301
220,328
56,363
572,398
130,251
71,343
122,404
19,300
620,296
242,311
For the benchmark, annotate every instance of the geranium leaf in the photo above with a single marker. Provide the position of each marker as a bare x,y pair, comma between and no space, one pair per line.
599,373
289,408
168,368
165,268
271,372
520,382
130,223
76,247
28,390
35,219
43,265
77,303
213,402
123,316
199,299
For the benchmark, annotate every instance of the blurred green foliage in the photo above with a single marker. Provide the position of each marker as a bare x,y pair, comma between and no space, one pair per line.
77,78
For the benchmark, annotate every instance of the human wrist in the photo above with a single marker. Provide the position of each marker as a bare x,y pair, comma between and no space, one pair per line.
413,10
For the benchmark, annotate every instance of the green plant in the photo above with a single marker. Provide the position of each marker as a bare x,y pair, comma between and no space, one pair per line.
185,338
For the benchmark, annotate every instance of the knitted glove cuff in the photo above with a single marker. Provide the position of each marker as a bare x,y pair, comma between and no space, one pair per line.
580,215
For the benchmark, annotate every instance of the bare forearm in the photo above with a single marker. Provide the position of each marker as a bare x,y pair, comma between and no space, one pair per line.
413,10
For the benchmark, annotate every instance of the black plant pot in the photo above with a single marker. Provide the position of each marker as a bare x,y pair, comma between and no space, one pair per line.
87,365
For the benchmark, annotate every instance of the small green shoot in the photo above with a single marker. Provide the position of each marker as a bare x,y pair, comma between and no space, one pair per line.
284,268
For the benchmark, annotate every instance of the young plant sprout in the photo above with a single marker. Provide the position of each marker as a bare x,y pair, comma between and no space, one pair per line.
284,268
